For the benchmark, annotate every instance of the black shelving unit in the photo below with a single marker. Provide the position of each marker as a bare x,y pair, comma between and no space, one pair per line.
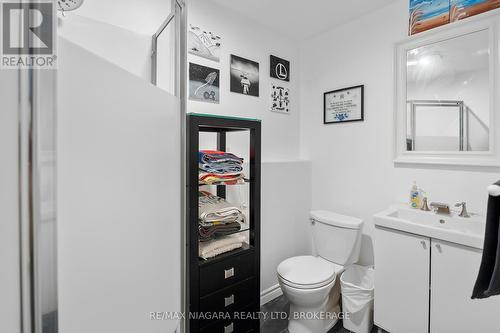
230,282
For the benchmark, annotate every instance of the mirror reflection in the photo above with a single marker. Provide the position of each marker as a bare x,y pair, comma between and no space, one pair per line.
448,95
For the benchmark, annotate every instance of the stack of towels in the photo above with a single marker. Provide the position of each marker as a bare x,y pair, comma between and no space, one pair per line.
218,167
217,217
215,247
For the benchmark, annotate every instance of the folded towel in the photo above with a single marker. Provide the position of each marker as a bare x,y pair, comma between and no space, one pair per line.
218,230
215,156
488,280
226,168
221,216
217,179
213,248
212,208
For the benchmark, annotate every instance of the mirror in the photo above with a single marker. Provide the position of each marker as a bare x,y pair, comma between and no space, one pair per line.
448,95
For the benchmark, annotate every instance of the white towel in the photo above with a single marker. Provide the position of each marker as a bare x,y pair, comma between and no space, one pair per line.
215,247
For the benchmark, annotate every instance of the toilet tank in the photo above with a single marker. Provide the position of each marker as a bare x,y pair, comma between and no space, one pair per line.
337,238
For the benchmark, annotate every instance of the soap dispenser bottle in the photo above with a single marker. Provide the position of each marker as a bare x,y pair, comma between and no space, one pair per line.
415,196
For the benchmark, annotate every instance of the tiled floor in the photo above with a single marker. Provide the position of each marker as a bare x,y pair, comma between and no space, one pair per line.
275,325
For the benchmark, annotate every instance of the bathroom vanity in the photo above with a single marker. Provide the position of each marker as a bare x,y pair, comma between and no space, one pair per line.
426,266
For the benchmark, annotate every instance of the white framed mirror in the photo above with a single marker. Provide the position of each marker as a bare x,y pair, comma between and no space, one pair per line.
446,105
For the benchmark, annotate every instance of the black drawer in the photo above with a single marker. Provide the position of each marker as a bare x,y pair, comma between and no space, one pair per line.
233,326
229,299
225,273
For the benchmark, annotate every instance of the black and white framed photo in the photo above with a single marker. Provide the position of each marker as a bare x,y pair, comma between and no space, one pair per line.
280,68
204,43
244,76
280,98
344,105
203,83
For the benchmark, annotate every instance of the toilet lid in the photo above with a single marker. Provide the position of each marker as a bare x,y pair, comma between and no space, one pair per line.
307,271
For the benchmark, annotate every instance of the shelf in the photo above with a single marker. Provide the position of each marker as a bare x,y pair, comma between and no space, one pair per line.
245,181
223,124
244,227
205,115
201,272
245,248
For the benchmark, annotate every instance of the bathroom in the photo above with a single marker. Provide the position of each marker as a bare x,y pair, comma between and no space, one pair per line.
95,196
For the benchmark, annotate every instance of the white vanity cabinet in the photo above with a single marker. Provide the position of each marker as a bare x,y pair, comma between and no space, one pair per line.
401,281
454,270
425,285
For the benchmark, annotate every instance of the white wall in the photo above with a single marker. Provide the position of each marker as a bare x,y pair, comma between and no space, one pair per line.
119,31
125,48
352,166
286,198
140,16
122,33
245,38
286,183
119,210
9,204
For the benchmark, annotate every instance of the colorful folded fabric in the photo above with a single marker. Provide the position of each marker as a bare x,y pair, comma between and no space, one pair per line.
217,179
219,163
216,156
221,168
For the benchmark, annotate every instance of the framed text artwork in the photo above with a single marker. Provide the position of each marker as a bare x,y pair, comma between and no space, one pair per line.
343,105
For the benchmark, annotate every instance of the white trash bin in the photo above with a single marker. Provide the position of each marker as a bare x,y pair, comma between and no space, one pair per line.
357,284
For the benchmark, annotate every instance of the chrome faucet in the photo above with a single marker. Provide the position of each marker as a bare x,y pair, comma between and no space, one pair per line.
440,208
463,210
425,207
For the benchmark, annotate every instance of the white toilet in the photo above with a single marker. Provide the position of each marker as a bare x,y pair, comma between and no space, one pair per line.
312,283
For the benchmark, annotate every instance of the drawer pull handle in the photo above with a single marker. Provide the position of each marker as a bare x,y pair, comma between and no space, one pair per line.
228,273
228,301
229,328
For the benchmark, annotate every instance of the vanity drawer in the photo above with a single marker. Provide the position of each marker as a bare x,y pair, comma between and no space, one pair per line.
222,274
229,299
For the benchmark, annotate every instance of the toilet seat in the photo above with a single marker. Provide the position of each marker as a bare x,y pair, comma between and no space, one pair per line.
307,272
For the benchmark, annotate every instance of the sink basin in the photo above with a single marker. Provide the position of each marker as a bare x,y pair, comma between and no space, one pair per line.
451,228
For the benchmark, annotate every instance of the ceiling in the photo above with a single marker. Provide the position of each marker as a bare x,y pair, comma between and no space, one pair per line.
302,19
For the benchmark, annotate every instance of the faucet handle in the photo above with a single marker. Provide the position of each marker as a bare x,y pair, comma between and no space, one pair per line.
425,207
463,211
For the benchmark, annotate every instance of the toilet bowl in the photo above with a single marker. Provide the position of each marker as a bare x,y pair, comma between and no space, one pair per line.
311,283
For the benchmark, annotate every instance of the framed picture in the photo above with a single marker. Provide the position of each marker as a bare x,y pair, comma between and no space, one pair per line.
280,68
244,76
280,98
204,43
203,83
461,9
344,105
425,15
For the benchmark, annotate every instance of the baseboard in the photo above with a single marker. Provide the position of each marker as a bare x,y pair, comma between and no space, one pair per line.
269,294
